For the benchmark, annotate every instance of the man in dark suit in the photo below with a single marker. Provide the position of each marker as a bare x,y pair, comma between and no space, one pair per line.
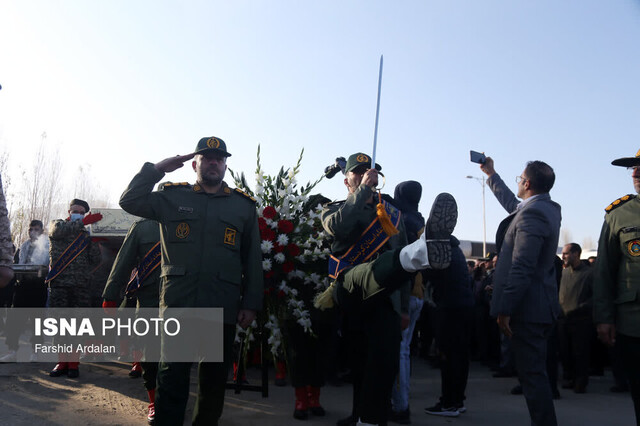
525,298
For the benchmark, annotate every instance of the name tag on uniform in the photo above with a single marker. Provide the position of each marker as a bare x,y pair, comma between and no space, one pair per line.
185,209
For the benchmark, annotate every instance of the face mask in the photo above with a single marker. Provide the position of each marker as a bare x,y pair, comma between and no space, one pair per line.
77,216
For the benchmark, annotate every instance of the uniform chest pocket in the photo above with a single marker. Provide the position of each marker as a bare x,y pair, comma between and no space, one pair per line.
630,241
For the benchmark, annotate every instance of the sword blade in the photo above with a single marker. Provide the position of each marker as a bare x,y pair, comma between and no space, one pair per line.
375,131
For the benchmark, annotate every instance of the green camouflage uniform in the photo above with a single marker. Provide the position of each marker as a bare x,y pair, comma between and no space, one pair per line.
70,289
6,246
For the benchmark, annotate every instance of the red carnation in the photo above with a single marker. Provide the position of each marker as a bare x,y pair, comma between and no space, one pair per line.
267,234
269,212
278,248
262,224
281,294
287,267
285,226
293,249
268,274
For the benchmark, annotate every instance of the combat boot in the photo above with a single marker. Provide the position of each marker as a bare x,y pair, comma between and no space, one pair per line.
281,373
74,370
61,369
313,398
433,248
300,411
151,415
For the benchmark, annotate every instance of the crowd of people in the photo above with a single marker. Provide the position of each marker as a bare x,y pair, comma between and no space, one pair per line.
400,284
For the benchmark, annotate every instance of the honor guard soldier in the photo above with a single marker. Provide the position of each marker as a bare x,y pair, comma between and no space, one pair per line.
211,257
140,252
617,279
372,267
73,256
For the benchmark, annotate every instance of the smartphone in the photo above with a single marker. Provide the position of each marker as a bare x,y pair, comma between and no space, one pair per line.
477,157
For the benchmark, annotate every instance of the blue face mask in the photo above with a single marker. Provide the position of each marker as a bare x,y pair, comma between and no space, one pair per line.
77,216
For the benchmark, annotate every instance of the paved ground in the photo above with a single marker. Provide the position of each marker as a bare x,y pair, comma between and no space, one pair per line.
104,395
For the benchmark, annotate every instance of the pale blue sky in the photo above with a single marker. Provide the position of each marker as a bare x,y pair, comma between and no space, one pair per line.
118,83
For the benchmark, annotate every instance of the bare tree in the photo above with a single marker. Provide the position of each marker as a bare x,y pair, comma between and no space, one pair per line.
88,188
565,236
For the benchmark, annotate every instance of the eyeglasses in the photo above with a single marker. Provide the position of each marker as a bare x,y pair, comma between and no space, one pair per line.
520,179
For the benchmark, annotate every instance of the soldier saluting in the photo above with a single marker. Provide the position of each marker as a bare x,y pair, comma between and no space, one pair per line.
210,258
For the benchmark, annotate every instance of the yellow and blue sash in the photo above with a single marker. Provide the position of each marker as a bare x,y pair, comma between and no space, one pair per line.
147,265
372,239
76,247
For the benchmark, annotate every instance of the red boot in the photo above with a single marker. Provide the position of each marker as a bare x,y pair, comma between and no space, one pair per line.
235,374
136,370
300,411
281,373
74,370
313,395
61,369
151,416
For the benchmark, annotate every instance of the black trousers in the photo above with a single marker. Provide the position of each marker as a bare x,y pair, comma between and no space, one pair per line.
172,392
630,349
374,353
575,348
28,293
454,340
306,354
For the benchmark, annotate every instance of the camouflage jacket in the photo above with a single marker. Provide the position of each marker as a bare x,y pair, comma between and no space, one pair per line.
77,274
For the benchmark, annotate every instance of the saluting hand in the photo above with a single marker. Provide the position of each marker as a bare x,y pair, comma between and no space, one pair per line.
173,163
246,317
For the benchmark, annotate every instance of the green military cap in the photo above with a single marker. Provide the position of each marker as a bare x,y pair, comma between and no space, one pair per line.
212,144
628,161
359,159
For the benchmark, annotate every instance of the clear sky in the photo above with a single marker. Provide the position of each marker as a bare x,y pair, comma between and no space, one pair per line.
117,83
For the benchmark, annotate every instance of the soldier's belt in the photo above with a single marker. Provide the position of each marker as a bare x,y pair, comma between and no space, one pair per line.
370,242
147,265
74,249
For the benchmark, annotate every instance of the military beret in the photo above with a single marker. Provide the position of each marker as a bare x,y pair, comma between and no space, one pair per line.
212,144
359,159
628,161
78,202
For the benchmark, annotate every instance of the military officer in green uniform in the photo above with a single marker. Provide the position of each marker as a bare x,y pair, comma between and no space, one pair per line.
372,264
139,250
211,257
616,286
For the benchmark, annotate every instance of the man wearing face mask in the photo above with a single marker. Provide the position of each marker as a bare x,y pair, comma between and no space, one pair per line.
211,258
68,276
30,291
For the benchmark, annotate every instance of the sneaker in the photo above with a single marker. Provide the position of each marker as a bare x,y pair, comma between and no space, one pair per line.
9,357
441,223
439,410
460,407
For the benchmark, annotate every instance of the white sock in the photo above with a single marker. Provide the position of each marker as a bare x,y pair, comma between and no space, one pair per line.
414,257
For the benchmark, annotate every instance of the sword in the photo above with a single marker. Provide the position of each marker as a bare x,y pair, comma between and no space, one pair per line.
375,131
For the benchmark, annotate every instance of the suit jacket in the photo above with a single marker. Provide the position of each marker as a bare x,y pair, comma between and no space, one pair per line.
525,285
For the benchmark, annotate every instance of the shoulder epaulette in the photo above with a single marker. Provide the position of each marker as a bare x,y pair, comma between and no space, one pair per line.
620,201
172,185
245,195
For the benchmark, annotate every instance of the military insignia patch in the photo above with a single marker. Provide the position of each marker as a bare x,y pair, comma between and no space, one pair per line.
182,230
362,158
213,143
230,236
634,248
197,188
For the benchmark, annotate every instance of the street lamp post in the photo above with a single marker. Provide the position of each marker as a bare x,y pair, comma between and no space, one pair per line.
484,217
